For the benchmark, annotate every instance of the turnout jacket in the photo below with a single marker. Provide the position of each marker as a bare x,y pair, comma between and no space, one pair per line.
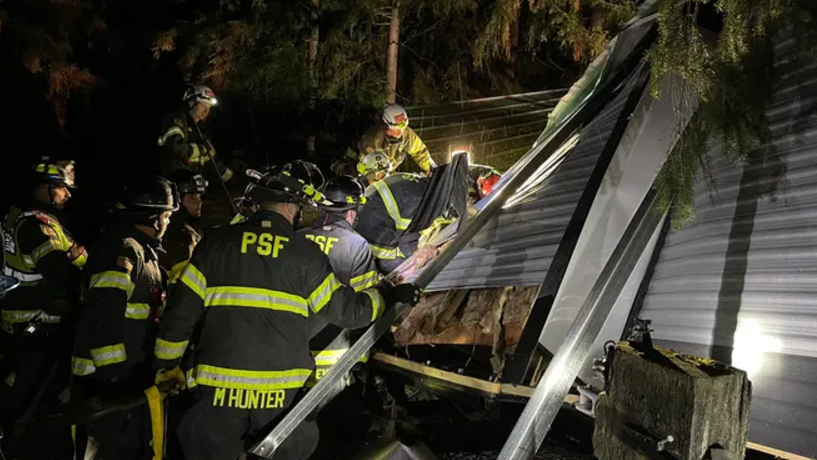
178,244
349,253
383,220
125,289
376,139
353,264
40,253
181,145
254,285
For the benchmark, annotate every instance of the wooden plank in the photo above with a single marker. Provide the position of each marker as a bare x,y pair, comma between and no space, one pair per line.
491,388
777,453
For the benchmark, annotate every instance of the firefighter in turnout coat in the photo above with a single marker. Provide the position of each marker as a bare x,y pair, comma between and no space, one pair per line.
117,328
351,260
42,256
254,285
182,237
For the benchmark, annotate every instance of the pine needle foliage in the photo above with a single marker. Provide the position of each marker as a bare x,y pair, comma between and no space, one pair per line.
731,76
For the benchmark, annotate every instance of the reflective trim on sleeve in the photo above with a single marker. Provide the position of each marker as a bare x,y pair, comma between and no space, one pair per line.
391,205
112,354
365,281
238,296
112,279
173,131
82,366
80,261
176,272
250,380
194,279
137,311
386,253
43,250
24,316
169,350
378,304
23,277
323,294
328,358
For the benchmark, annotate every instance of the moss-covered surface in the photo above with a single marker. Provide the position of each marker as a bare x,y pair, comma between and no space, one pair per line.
698,401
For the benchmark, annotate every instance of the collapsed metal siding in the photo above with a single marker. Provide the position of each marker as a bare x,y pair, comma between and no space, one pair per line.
498,129
517,246
740,284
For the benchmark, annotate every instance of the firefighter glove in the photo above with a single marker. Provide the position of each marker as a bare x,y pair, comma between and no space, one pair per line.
407,293
175,376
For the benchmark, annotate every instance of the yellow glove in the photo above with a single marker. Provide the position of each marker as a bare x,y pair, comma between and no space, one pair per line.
174,375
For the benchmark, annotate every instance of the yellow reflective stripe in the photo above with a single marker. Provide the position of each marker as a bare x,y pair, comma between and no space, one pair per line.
157,421
238,219
194,157
391,205
378,304
365,281
112,279
43,250
137,311
328,358
82,366
223,377
165,349
238,296
24,316
80,261
194,279
173,131
385,253
112,354
176,271
323,294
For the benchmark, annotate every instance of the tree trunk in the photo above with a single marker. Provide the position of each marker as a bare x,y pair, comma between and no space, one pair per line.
391,57
313,78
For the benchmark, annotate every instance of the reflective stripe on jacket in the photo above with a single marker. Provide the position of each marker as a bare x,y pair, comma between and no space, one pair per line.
124,291
409,144
43,256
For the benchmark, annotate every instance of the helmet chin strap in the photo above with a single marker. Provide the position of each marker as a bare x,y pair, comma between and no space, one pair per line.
296,219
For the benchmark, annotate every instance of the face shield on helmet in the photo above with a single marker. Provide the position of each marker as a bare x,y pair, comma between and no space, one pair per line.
396,120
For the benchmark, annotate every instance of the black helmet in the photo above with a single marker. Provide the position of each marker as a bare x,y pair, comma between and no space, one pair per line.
188,182
152,196
343,193
293,182
57,173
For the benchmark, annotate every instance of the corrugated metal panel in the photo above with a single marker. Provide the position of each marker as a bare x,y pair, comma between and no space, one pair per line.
498,129
516,248
740,284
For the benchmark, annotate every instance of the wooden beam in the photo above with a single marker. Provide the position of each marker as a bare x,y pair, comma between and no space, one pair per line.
777,453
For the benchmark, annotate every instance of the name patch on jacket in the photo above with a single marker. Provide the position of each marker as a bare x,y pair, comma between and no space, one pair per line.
265,244
249,399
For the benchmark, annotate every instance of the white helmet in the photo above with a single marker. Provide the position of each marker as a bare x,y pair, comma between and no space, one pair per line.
376,163
200,93
396,120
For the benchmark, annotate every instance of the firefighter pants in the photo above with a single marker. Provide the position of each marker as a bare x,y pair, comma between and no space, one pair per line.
121,435
222,422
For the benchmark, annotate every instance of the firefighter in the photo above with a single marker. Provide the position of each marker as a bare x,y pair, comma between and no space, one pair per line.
40,254
181,236
181,143
482,180
350,257
260,282
125,291
384,220
394,137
